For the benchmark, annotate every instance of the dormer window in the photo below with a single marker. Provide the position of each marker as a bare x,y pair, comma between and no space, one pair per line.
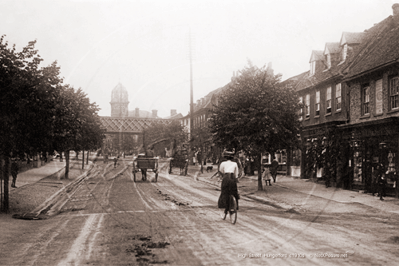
312,67
328,61
344,52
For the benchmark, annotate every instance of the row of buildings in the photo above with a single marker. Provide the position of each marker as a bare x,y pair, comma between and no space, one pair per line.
350,97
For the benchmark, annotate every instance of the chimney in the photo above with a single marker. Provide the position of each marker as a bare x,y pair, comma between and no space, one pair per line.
269,68
173,112
154,113
395,9
137,112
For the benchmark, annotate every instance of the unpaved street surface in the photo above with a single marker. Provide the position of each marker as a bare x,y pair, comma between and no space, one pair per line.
111,220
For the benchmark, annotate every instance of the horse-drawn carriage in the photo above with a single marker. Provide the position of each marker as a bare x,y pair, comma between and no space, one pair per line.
142,164
180,160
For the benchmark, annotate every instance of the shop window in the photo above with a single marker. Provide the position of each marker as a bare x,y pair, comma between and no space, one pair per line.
317,105
365,99
394,93
307,106
328,100
338,97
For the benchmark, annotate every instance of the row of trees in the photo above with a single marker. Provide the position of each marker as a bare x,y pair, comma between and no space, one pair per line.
38,113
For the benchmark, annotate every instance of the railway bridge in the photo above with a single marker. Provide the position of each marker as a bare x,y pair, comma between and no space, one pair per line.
127,134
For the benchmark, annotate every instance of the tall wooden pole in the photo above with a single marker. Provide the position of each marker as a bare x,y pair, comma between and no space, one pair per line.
191,96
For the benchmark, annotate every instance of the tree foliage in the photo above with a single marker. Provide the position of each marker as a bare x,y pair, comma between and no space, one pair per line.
174,133
255,114
37,112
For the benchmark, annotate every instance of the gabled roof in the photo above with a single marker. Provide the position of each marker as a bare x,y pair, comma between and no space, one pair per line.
316,55
379,47
332,48
352,37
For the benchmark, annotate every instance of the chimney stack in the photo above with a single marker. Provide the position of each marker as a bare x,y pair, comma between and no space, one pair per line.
137,112
154,113
395,9
173,112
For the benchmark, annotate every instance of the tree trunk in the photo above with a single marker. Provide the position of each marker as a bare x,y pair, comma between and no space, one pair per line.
83,159
77,155
258,159
67,164
6,205
289,160
87,159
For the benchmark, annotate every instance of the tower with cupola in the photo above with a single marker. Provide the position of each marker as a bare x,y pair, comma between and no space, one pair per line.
119,101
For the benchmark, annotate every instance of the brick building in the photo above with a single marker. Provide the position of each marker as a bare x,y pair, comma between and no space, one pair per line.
351,97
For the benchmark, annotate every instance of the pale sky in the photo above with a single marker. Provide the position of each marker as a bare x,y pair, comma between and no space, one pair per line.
144,45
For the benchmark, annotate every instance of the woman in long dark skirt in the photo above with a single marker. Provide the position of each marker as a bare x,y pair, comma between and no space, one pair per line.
229,187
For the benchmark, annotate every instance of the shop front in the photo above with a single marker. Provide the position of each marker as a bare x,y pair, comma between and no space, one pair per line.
373,143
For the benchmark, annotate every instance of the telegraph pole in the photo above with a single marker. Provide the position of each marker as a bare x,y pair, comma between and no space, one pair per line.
191,95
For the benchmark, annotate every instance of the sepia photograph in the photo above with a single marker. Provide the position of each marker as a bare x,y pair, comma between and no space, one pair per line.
199,132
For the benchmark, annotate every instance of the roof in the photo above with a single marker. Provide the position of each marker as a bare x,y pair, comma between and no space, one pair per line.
379,47
316,55
332,48
119,94
294,81
352,37
176,116
142,114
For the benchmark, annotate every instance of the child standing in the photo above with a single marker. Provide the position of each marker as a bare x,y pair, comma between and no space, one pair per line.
266,175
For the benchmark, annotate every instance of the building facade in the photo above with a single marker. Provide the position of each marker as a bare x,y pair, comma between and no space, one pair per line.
350,112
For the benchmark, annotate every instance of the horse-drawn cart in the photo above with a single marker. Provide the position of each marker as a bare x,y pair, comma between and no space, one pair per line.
179,160
142,163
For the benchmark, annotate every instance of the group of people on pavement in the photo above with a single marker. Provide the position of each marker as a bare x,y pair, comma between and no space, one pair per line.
270,172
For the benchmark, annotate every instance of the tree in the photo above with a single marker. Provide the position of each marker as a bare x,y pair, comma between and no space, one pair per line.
27,109
173,133
199,138
77,125
255,114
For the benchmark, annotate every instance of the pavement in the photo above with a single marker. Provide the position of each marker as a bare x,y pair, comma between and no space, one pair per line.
301,186
34,175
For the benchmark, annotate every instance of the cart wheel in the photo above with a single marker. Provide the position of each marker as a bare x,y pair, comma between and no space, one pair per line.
134,176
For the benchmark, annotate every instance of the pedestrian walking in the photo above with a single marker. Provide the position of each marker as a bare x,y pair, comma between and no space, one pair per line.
273,169
14,173
381,184
327,174
374,180
116,161
267,175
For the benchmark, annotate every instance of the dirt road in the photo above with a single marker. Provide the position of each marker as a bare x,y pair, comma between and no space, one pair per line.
110,220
